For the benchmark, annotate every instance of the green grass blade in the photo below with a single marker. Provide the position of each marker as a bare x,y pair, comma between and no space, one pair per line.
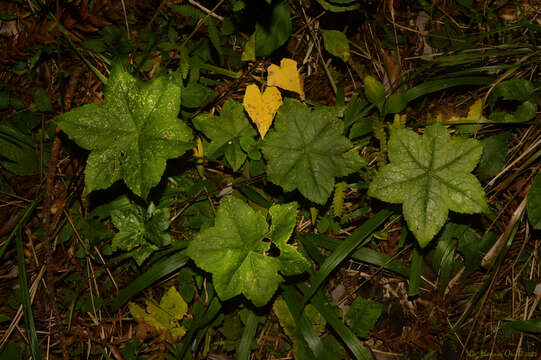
345,248
345,334
364,254
437,85
198,329
304,328
26,302
248,336
156,272
415,272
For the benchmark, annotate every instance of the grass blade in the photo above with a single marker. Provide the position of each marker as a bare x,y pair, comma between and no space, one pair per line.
29,210
156,272
304,328
415,272
344,249
364,254
248,336
26,302
436,85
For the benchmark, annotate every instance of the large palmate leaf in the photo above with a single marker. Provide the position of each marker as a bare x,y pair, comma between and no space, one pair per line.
307,151
430,175
234,251
131,133
225,132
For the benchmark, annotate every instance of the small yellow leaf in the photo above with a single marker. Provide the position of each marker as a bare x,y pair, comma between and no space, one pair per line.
475,113
286,77
262,108
163,317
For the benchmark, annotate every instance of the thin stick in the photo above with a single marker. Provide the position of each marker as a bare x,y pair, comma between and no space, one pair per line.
209,12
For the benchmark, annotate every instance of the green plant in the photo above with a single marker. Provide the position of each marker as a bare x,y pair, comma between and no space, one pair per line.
240,235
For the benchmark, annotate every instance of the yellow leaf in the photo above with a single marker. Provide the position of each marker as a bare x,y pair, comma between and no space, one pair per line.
286,77
475,113
163,317
262,108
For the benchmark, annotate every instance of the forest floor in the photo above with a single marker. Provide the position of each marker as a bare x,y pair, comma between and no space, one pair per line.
459,297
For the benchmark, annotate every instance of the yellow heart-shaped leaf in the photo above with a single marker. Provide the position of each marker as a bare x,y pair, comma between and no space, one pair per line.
286,76
262,107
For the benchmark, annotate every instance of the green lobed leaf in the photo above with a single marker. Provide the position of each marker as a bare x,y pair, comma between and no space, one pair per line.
225,132
234,251
131,133
534,203
284,218
430,175
307,150
141,233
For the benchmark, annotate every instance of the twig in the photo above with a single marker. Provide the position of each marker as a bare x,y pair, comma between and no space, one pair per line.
494,252
47,218
320,53
209,12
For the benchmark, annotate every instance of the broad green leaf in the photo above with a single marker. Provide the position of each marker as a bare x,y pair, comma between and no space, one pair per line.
274,31
494,154
141,233
430,175
515,89
284,218
225,132
518,90
362,316
307,150
234,251
131,134
534,203
166,315
336,43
